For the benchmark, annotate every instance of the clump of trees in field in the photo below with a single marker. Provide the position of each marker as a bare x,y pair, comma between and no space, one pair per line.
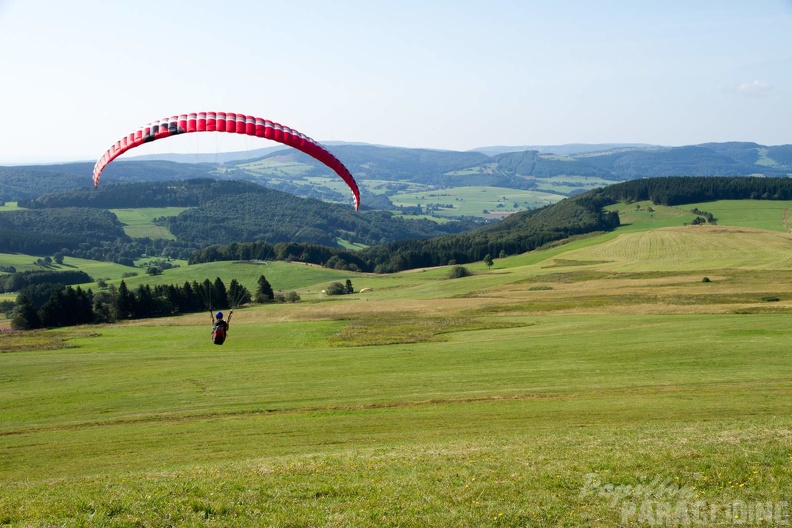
336,288
51,304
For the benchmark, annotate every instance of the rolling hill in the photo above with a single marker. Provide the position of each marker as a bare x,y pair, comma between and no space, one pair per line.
296,173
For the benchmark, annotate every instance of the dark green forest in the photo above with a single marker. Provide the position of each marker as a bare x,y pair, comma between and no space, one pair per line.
23,279
685,190
275,217
49,231
31,181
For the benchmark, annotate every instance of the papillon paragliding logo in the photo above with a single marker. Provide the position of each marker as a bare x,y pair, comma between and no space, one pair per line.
231,123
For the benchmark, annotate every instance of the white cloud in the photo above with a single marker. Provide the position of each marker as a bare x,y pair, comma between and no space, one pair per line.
755,87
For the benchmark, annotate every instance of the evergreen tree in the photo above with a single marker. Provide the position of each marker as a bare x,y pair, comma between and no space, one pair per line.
206,291
192,297
264,292
220,295
237,294
124,302
53,312
26,315
144,305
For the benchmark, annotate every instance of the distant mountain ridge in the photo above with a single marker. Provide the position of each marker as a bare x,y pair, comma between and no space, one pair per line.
241,155
290,170
611,161
567,149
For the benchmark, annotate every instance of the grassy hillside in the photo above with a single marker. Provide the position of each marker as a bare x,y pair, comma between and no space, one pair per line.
770,215
595,383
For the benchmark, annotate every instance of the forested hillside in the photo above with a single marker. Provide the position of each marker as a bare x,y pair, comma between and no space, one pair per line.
272,216
682,161
52,230
513,235
30,181
19,183
680,190
219,212
183,193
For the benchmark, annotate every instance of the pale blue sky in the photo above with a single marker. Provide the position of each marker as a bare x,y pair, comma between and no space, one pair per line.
77,75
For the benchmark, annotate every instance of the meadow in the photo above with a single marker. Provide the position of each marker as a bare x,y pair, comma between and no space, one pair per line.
139,222
602,382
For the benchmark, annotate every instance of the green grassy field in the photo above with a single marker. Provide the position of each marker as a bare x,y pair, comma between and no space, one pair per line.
759,214
94,268
139,222
597,383
773,216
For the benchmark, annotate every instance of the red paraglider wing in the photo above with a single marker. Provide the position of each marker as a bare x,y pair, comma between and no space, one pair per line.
231,123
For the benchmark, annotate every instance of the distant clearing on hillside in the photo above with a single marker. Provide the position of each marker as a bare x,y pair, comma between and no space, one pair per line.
140,222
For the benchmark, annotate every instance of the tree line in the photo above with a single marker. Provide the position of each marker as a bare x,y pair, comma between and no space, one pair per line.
51,305
19,280
680,190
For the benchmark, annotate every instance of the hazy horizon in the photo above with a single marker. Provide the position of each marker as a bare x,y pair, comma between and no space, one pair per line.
440,75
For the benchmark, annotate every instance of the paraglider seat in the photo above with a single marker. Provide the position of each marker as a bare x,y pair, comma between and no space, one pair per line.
218,335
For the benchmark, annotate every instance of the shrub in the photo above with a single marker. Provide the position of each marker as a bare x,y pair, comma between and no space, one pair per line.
458,272
336,288
292,297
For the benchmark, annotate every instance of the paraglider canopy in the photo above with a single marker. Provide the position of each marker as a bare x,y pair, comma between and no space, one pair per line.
231,123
